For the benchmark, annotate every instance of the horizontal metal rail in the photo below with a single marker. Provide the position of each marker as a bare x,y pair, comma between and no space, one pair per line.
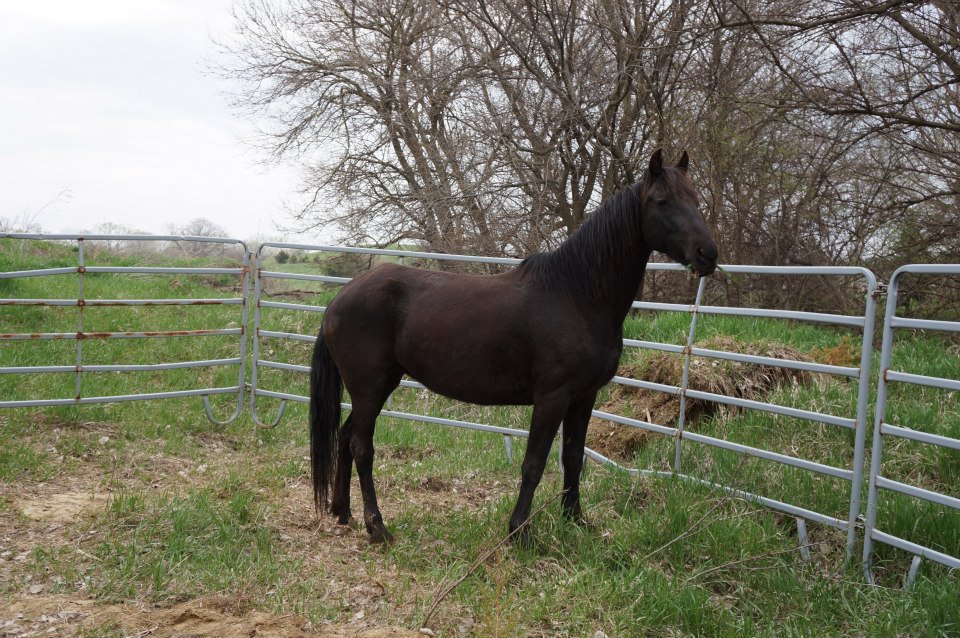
925,324
918,492
81,336
292,306
387,252
772,408
119,398
265,274
286,335
917,550
801,513
468,425
806,366
96,303
125,270
787,508
635,423
919,379
123,367
760,453
795,315
647,385
915,435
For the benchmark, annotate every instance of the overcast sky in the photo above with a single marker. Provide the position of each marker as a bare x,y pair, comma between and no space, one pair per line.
111,102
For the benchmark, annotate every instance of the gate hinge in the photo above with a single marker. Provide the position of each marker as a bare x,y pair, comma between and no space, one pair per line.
881,291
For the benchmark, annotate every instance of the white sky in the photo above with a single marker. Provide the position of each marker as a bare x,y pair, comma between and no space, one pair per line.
112,101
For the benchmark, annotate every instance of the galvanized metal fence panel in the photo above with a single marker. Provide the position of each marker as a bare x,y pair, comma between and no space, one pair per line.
83,336
884,428
856,422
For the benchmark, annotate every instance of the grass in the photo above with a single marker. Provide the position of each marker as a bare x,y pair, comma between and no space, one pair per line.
197,510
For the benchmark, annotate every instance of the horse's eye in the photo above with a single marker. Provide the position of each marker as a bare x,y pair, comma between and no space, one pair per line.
661,202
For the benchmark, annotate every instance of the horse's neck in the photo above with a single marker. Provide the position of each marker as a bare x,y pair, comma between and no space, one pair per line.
609,254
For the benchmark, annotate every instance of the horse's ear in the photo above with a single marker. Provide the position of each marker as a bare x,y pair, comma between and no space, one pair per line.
684,162
656,162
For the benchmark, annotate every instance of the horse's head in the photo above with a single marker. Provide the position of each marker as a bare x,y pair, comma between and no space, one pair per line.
671,220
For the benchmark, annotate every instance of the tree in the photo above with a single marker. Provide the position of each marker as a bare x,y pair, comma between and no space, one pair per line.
119,245
199,227
820,132
488,127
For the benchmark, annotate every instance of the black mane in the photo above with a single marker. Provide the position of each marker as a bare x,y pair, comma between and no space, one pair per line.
610,238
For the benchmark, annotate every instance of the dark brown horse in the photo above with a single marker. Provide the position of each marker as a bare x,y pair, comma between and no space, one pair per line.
547,333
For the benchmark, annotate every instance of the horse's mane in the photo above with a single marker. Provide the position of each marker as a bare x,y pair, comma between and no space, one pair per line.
611,235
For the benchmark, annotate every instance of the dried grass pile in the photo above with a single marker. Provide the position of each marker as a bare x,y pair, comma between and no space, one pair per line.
730,378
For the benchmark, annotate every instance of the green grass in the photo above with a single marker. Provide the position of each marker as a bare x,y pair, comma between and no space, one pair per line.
199,510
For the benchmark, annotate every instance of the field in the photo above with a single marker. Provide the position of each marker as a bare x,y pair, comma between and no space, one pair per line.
142,518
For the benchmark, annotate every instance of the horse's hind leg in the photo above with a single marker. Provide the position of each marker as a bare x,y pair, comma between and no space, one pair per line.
574,436
340,500
366,407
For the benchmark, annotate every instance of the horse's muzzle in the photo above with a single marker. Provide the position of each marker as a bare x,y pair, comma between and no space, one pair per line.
703,260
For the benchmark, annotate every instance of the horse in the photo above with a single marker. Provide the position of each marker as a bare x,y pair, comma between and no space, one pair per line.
546,333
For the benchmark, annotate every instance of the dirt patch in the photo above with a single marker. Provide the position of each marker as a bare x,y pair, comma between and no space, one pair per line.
718,376
64,507
406,453
204,617
434,484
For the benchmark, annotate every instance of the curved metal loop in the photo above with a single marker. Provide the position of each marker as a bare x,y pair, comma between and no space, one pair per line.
209,411
256,417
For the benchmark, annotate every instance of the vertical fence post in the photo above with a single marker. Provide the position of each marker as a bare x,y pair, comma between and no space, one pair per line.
863,397
257,291
691,338
244,314
80,297
886,355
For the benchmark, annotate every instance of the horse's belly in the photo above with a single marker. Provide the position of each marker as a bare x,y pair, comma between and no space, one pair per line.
480,392
467,375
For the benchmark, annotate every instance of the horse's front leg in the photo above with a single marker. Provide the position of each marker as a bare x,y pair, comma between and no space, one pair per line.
547,414
575,424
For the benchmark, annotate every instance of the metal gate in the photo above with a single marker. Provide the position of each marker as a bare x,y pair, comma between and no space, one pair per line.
884,428
857,422
82,336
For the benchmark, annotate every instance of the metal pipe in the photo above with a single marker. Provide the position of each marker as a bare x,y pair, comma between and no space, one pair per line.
685,375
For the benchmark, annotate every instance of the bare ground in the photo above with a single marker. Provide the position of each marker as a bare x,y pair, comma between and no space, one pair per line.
62,616
61,515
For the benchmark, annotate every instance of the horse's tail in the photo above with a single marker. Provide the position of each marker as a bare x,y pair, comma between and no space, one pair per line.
326,388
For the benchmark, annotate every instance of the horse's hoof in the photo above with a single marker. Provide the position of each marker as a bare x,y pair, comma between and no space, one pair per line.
578,519
522,538
342,513
585,524
380,536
